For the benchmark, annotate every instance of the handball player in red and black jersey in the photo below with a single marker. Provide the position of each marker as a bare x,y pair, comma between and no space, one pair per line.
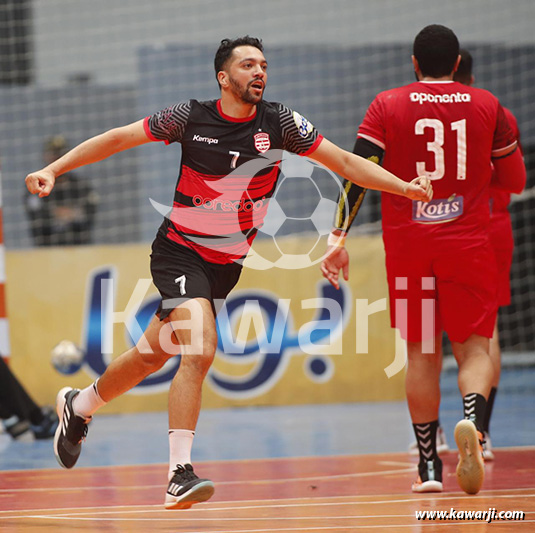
228,173
439,252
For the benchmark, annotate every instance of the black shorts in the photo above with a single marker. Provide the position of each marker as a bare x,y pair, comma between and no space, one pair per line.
181,274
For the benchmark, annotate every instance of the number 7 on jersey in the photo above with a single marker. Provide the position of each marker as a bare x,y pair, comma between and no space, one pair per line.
234,161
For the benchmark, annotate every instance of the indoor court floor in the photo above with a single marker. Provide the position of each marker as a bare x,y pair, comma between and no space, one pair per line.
294,469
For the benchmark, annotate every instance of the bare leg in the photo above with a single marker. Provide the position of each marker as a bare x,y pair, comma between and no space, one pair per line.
475,377
198,346
194,330
495,355
133,366
475,366
195,337
125,372
423,381
423,397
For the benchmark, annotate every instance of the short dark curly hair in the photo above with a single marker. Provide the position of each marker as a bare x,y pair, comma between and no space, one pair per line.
227,46
436,48
464,72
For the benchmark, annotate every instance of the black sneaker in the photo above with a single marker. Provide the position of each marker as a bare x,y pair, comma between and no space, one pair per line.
47,427
71,430
429,477
185,489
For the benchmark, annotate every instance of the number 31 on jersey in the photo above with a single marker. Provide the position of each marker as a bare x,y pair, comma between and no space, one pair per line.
437,147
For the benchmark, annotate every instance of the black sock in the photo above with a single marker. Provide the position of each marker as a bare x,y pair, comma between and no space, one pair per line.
488,412
475,407
426,437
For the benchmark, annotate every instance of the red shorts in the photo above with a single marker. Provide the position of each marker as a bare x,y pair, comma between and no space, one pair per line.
501,238
433,291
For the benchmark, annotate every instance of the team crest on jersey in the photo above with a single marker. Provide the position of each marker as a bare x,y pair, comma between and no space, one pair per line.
303,125
262,142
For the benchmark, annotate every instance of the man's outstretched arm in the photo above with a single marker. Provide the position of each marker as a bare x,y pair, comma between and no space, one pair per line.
90,151
369,175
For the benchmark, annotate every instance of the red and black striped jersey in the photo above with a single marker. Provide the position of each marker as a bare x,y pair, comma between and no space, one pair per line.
228,172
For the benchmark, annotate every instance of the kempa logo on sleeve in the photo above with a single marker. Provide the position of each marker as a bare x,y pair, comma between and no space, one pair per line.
208,140
454,98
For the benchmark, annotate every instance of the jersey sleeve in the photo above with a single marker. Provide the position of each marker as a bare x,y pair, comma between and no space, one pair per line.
514,126
504,141
298,134
372,128
169,124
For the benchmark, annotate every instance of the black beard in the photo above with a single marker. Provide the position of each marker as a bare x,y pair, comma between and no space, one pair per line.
244,94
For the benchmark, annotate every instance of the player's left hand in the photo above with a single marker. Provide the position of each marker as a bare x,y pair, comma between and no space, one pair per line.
336,259
420,189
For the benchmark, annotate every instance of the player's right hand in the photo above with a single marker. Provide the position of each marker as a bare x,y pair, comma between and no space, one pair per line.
420,189
41,182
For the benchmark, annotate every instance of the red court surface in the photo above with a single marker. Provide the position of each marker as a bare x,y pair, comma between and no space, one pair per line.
343,493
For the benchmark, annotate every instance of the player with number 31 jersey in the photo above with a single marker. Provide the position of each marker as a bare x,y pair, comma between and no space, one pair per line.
449,132
441,269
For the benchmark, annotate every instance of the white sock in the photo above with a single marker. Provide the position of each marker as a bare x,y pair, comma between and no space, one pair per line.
88,401
180,443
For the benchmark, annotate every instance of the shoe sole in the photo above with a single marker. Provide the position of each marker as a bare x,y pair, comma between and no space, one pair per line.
471,468
427,486
60,407
200,493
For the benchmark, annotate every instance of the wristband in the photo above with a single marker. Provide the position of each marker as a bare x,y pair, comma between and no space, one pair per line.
336,240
